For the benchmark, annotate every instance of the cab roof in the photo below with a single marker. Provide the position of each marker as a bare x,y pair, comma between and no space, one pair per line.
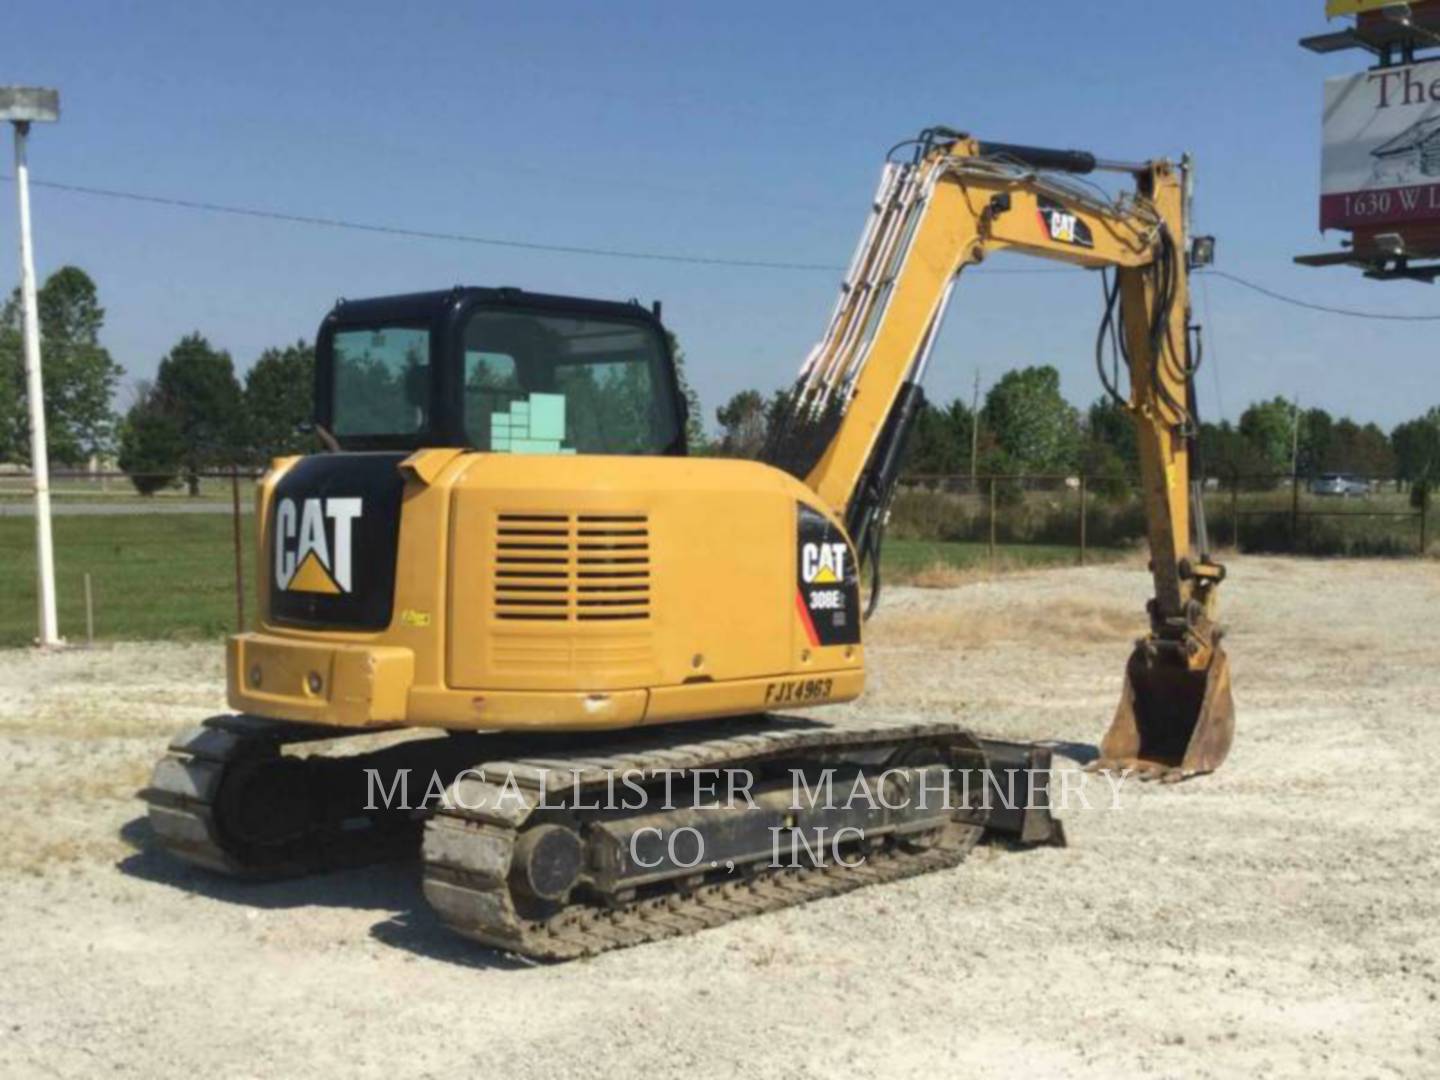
429,306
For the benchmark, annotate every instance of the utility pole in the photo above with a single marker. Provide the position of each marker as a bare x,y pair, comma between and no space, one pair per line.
1295,473
22,106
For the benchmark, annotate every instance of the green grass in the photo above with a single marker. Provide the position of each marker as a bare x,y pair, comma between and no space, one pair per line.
153,576
903,560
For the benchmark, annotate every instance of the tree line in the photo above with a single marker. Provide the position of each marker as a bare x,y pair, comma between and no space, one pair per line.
1025,427
197,414
80,375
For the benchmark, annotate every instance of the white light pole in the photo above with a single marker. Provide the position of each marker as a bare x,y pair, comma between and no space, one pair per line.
22,106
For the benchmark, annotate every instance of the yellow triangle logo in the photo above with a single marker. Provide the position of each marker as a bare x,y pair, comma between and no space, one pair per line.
824,576
311,576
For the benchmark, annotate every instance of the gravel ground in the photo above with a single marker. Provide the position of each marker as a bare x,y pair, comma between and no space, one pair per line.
1278,918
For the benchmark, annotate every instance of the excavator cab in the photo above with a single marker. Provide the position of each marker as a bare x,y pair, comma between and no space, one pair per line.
498,370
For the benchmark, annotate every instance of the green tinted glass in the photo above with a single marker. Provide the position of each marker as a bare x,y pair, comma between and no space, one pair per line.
382,380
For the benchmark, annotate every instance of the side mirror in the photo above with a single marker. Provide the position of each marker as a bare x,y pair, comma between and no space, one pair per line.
327,439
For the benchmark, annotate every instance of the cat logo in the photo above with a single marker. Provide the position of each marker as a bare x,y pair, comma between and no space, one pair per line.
1064,227
312,545
823,564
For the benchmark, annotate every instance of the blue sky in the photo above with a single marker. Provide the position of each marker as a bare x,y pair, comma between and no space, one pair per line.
745,130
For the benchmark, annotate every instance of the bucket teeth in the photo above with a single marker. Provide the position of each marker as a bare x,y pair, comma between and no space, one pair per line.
1172,722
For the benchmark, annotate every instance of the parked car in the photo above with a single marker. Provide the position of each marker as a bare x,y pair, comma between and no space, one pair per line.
1339,484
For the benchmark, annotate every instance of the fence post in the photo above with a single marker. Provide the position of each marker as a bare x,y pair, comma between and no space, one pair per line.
89,613
1235,510
1425,502
992,524
239,556
1082,519
1294,513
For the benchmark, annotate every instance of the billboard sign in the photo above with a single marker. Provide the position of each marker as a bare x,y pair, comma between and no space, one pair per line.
1354,7
1381,158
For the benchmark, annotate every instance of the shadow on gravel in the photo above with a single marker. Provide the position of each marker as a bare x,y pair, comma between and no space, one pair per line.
419,931
392,887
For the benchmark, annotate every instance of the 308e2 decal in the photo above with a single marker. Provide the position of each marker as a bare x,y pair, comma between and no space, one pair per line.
827,597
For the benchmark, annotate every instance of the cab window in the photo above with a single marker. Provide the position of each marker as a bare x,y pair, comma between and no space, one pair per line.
381,380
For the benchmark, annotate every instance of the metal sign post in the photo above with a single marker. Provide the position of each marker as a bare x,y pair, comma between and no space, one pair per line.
23,106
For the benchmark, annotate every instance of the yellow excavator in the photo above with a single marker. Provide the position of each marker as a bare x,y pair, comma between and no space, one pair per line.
584,635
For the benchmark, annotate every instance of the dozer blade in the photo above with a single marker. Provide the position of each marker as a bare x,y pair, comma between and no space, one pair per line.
1172,722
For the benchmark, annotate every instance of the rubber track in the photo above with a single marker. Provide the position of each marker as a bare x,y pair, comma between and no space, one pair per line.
187,781
467,852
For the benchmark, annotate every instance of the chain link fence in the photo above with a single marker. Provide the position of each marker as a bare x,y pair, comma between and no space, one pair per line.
1330,514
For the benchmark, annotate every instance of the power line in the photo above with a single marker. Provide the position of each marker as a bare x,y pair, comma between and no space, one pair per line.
1349,313
465,238
618,253
427,234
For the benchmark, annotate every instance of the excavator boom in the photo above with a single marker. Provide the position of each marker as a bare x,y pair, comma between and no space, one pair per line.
953,204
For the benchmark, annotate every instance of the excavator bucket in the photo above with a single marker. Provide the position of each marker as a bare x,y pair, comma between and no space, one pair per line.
1172,722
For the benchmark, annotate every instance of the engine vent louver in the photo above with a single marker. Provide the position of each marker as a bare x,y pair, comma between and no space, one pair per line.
554,567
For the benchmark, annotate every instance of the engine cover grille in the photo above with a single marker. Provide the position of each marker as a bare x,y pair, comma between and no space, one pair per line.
559,567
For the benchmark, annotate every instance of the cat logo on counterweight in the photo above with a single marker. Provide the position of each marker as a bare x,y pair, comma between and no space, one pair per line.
313,552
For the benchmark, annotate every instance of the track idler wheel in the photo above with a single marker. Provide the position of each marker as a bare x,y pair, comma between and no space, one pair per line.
547,862
1173,722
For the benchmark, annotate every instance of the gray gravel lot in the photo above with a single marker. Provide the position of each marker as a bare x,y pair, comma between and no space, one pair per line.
1278,918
